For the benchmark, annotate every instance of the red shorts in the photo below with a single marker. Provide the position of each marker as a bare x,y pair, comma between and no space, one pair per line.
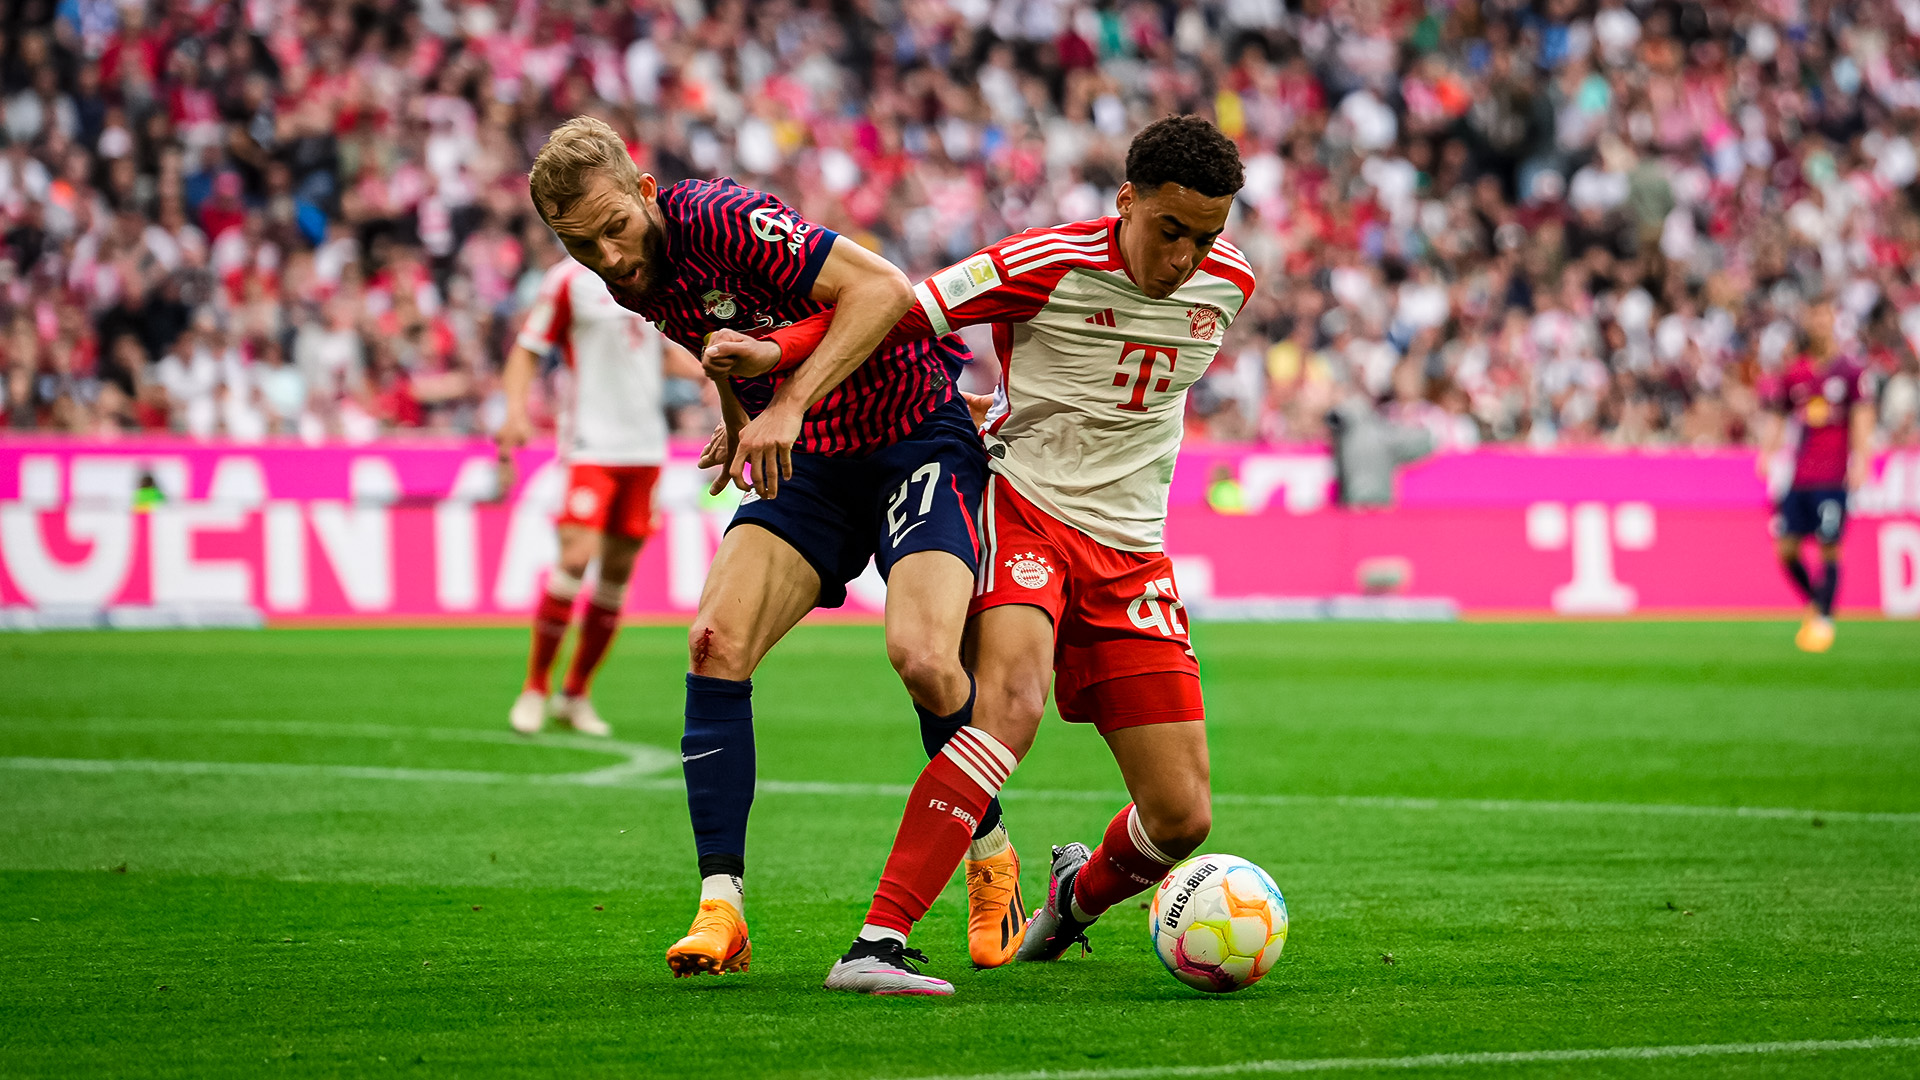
612,499
1116,615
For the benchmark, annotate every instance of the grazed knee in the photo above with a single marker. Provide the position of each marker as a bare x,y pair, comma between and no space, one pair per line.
716,653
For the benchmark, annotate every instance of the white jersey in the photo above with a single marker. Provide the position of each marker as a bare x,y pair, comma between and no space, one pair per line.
612,414
1087,420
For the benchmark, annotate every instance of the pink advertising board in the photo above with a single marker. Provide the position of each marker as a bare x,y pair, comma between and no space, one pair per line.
416,531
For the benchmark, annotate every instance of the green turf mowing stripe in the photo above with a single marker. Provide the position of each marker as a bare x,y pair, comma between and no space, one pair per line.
1452,1061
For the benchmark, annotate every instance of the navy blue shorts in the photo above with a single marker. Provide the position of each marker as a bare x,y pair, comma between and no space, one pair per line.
920,494
1817,512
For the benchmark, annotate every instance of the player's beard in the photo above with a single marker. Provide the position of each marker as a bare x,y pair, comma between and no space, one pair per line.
653,254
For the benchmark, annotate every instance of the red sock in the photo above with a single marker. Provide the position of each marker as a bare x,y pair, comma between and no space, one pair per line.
945,805
1125,864
597,627
550,621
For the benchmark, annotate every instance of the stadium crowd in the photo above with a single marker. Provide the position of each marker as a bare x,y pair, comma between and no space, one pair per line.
1560,221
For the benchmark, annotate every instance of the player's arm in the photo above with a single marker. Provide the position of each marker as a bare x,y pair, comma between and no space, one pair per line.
978,289
868,295
1860,425
1773,431
676,361
516,381
546,321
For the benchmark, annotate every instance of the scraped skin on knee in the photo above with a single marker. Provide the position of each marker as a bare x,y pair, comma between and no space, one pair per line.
757,589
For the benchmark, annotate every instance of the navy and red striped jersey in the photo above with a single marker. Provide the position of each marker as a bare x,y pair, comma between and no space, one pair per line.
740,259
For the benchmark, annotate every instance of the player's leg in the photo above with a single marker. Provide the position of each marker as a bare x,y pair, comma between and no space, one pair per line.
929,489
1011,651
578,542
1787,549
1830,511
1154,724
629,522
927,596
1126,666
758,587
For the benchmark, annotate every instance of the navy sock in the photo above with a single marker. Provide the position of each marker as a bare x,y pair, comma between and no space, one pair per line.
716,754
1797,571
1829,585
934,733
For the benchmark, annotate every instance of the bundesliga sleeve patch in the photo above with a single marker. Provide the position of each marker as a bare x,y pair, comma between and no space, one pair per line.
956,284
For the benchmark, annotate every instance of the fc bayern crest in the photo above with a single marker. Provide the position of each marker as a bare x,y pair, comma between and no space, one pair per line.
1203,323
1030,571
720,305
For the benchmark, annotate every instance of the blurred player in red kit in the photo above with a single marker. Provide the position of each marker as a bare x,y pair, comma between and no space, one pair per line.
1824,401
613,439
1101,326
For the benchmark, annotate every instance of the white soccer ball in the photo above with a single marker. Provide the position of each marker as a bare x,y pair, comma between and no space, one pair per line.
1219,923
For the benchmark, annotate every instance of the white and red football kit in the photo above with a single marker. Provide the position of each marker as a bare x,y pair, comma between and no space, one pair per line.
1082,437
613,428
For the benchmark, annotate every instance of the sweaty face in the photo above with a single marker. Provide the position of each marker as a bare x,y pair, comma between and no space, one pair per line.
616,234
1166,232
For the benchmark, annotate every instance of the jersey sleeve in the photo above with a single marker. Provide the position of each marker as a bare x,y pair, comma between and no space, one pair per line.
754,233
550,319
979,289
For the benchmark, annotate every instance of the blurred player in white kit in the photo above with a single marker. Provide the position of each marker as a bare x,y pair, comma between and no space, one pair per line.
612,438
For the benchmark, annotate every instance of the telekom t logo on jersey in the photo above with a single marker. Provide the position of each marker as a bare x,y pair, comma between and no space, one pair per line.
1143,375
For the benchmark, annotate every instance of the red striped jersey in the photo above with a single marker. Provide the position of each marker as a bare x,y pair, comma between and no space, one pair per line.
740,259
1090,410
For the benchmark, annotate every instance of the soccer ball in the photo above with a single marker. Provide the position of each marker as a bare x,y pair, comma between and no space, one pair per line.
1219,923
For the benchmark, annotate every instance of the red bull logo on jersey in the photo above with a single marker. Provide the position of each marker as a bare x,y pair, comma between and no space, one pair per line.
720,305
1203,323
1030,571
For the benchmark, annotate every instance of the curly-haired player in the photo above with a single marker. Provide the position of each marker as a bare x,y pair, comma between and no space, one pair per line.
1101,326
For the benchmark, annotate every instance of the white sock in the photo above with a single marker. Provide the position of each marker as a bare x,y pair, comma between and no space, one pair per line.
562,585
724,887
991,844
609,595
1079,913
870,932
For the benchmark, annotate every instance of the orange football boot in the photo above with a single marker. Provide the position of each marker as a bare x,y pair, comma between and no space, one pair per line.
996,917
716,945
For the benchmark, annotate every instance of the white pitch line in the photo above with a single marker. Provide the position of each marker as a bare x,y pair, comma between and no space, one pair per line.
1452,1061
643,762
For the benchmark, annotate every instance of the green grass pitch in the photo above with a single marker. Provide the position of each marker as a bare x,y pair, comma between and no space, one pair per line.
306,852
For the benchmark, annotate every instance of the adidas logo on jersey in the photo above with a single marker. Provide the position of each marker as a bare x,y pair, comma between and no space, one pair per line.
1102,318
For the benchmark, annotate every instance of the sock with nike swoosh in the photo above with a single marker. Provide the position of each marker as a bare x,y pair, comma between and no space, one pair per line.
716,754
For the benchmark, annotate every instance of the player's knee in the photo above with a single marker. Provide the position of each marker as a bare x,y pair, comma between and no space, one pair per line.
1011,712
1180,831
929,675
715,653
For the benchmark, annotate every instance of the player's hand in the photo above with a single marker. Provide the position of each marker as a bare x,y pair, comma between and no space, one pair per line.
978,404
732,353
766,445
513,434
715,452
719,451
1859,472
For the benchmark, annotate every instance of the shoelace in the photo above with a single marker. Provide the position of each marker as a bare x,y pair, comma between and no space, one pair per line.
987,877
909,957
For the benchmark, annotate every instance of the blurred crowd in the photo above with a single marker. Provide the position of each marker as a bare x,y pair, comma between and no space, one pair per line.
1558,221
